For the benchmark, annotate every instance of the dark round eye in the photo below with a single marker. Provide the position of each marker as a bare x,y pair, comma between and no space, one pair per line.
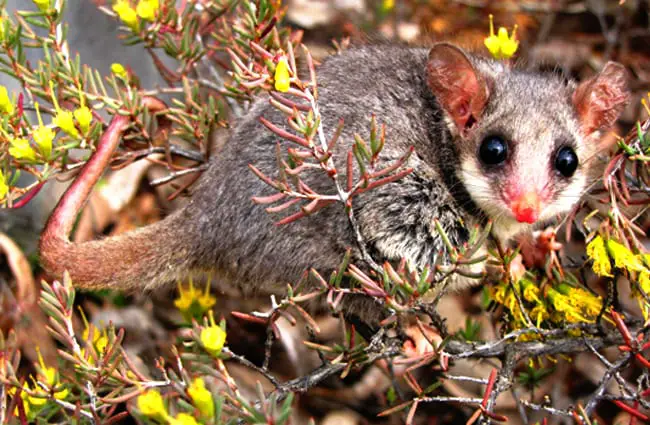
493,150
566,161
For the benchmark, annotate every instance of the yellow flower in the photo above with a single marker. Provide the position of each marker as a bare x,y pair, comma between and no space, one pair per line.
43,136
152,405
576,304
183,419
282,78
100,338
4,188
147,9
65,121
118,69
126,13
25,399
84,117
387,5
563,305
201,397
539,313
5,103
530,291
212,337
499,293
623,257
43,5
2,28
185,297
597,251
586,301
20,148
500,45
50,377
193,303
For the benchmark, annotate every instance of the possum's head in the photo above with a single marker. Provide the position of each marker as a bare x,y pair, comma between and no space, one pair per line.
526,141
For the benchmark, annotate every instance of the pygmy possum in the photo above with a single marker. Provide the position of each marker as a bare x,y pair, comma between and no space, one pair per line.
491,142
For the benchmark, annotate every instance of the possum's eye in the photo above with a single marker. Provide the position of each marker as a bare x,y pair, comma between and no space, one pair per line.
493,150
566,161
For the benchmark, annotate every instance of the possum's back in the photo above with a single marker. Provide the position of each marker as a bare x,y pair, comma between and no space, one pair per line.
239,236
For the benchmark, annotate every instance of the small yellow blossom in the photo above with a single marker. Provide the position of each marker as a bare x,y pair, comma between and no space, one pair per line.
152,405
563,305
212,337
126,13
597,251
282,78
99,338
201,398
538,314
387,5
499,293
4,188
183,419
576,304
63,119
39,396
49,376
119,70
583,299
193,303
20,148
84,116
6,106
623,257
503,294
2,28
500,45
530,291
43,5
147,9
644,282
25,399
43,136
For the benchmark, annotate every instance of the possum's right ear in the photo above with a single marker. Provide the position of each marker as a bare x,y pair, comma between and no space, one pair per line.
600,100
459,88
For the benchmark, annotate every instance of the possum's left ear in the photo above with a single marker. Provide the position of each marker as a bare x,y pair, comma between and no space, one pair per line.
459,89
600,100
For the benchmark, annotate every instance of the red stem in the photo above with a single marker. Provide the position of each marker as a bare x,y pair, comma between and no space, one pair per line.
632,411
488,388
28,196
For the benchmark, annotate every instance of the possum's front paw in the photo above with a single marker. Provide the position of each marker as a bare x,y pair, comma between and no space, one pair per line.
536,250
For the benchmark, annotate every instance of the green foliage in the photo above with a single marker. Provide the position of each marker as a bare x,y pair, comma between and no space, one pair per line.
471,331
532,376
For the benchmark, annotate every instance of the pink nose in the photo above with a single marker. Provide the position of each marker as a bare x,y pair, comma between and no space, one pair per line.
526,207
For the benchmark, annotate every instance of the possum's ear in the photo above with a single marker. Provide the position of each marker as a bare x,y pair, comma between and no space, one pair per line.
600,100
459,88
